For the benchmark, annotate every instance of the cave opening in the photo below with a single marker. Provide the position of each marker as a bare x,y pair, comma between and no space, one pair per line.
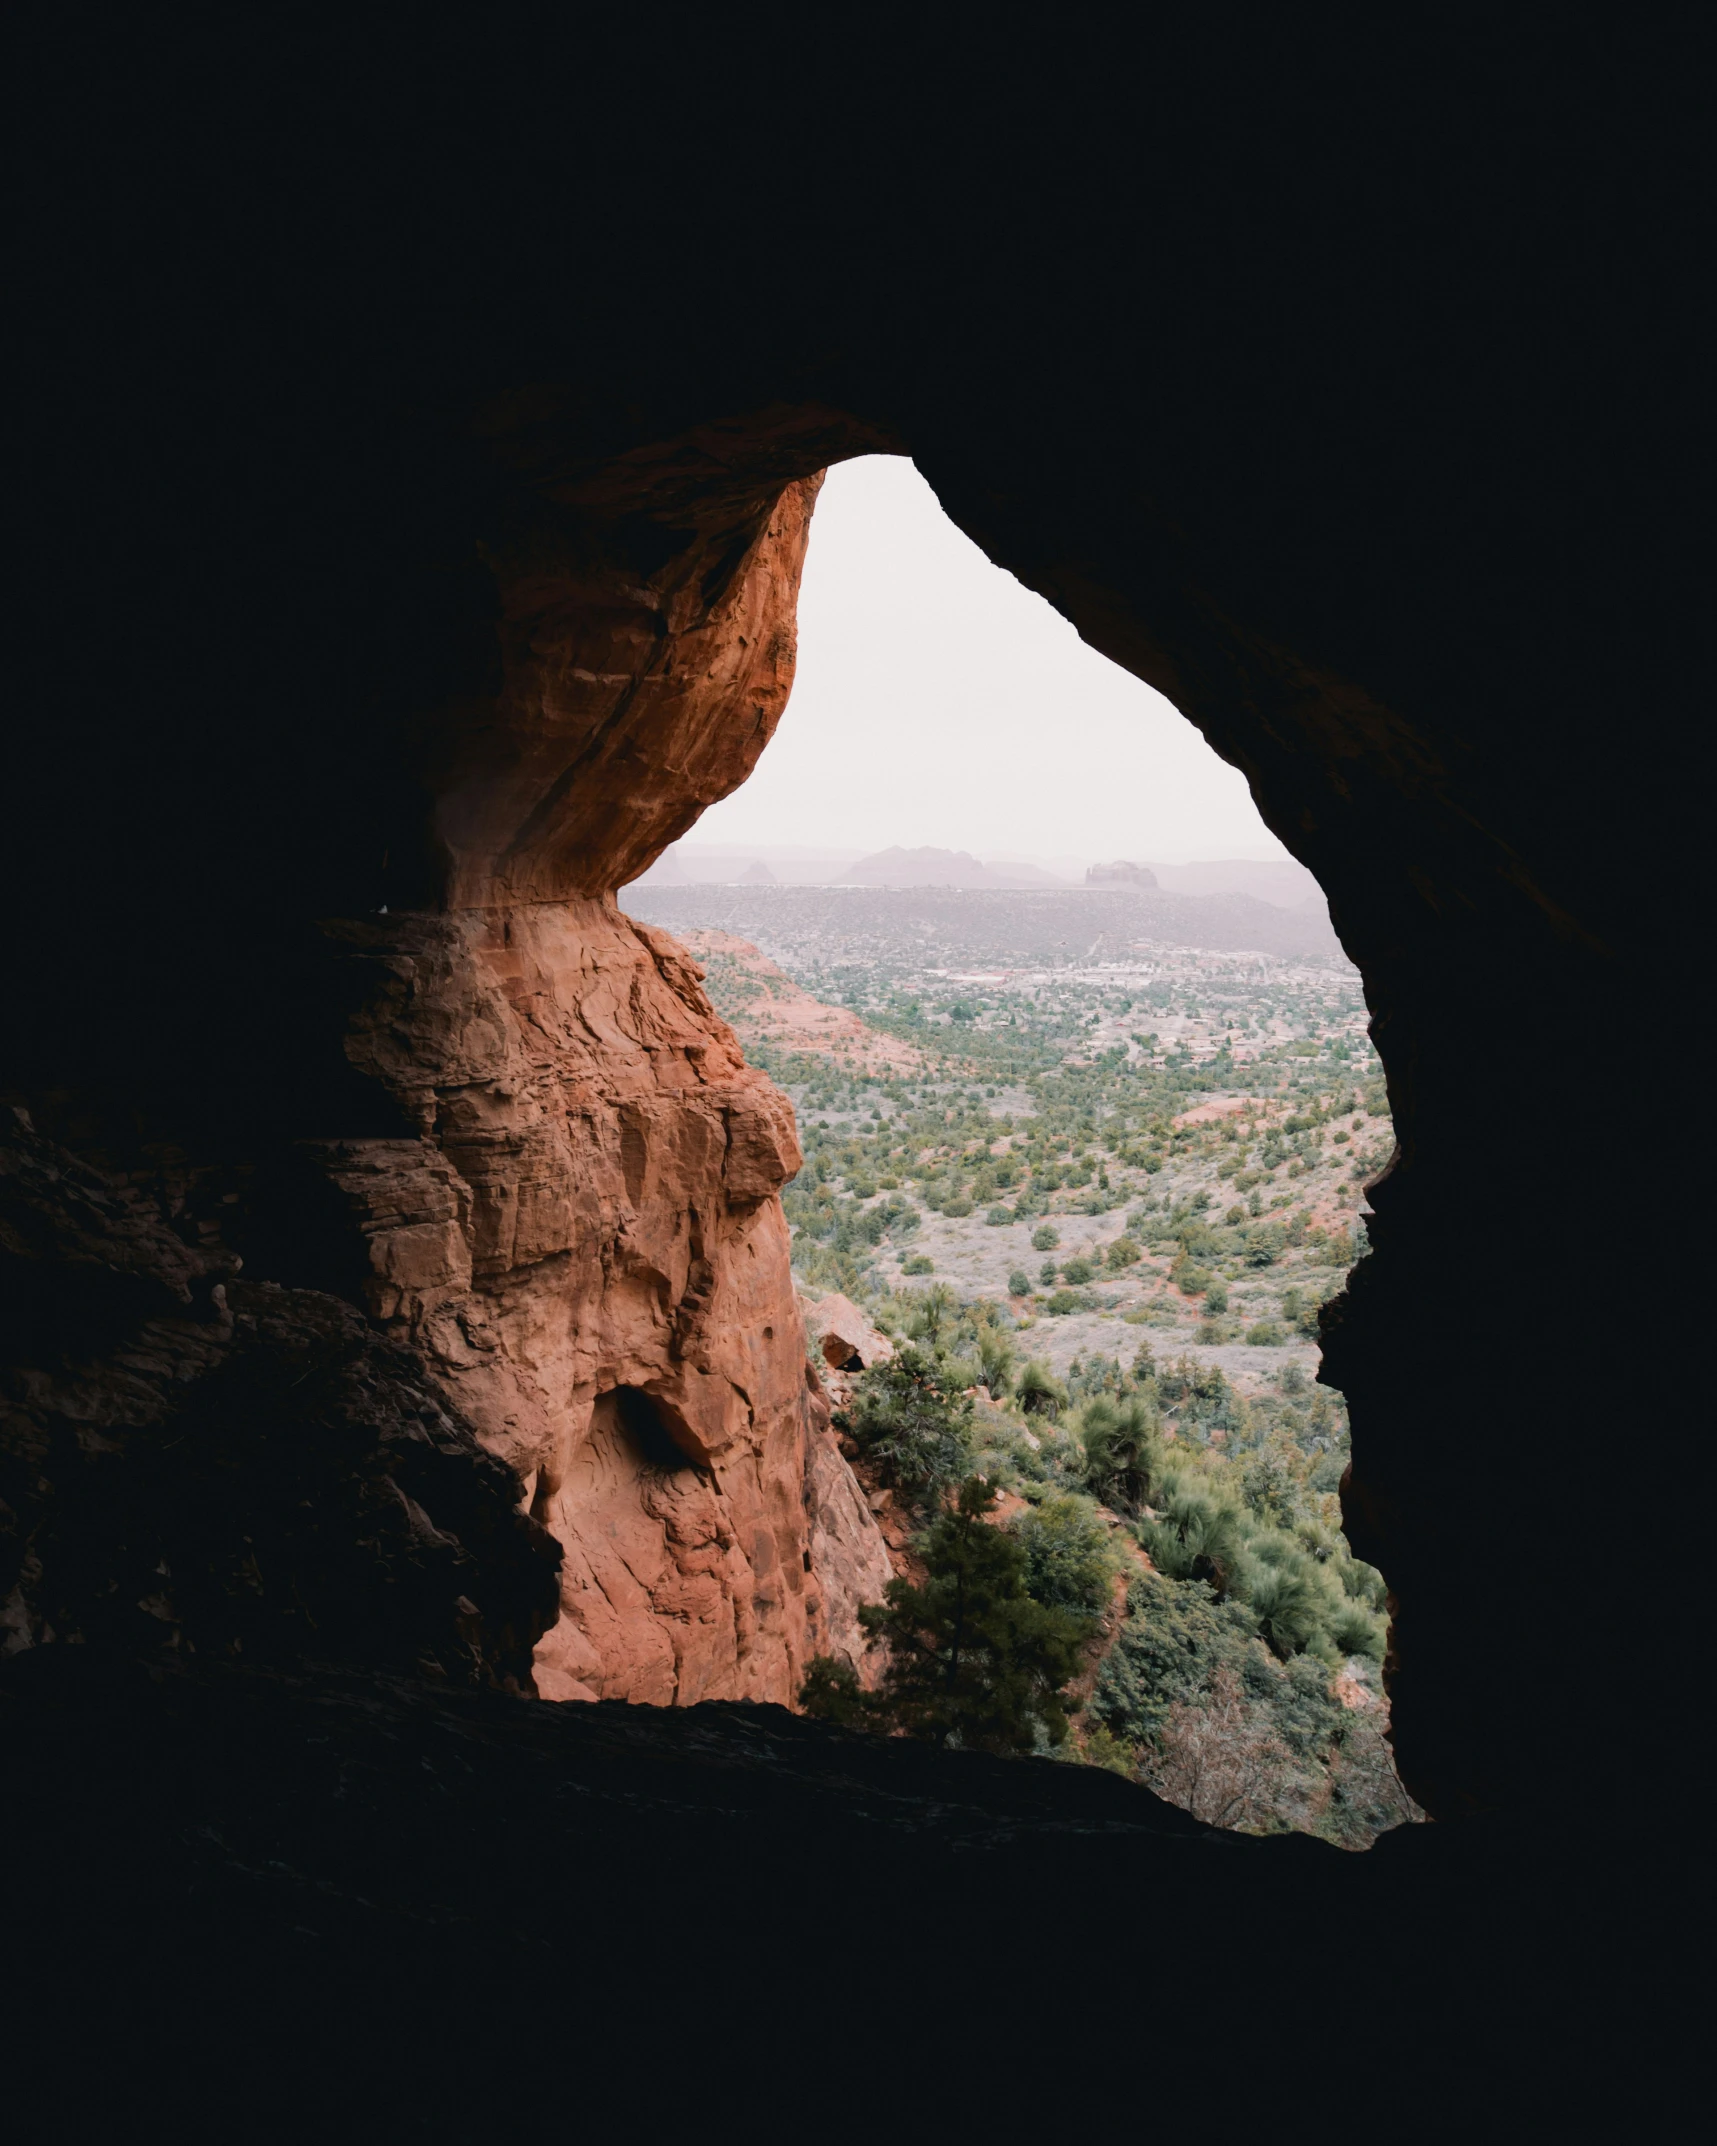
648,1430
1089,1110
1336,385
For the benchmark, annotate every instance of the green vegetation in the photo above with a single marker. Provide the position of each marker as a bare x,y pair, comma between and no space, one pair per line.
1241,1675
976,1657
910,1425
1171,1141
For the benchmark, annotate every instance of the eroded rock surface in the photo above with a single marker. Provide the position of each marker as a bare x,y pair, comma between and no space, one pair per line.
544,1169
201,1464
585,1247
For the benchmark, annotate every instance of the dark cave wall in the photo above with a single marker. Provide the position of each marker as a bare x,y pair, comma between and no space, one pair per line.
1376,477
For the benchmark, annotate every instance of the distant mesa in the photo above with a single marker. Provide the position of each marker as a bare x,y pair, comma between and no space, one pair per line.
1120,874
758,874
941,868
1280,881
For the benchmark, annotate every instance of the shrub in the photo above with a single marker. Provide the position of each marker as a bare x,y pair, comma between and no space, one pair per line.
1038,1391
957,1208
1363,1582
931,1312
1356,1631
1223,1760
1216,1300
1067,1301
1103,1748
1173,1642
1046,1273
1077,1272
1123,1451
1019,1283
997,1216
832,1692
996,1359
1123,1253
919,1263
1301,1309
1069,1562
1199,1537
909,1425
1289,1607
1265,1335
1044,1238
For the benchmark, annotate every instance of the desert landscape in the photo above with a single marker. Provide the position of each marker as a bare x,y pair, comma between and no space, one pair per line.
1083,1171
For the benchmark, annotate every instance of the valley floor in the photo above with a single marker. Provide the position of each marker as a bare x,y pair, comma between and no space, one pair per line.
1128,1177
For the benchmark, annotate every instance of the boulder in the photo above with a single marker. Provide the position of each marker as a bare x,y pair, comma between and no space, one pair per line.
840,1334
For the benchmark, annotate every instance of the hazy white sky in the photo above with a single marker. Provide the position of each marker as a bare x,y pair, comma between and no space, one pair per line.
939,702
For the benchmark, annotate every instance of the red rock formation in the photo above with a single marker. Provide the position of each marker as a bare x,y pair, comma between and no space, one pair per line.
571,1222
582,1242
585,1246
630,699
842,1335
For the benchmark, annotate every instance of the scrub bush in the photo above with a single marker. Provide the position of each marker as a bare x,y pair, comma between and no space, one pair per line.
1123,1451
1069,1562
1038,1391
910,1424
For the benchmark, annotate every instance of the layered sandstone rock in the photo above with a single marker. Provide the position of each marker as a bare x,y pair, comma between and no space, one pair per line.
585,1246
583,1241
630,696
545,1172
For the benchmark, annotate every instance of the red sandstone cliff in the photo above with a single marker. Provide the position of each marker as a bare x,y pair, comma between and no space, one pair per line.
570,1238
585,1244
586,1248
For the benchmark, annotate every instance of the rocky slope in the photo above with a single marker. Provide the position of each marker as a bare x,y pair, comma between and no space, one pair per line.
766,1006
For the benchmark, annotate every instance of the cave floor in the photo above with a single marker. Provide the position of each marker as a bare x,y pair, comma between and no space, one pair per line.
219,1875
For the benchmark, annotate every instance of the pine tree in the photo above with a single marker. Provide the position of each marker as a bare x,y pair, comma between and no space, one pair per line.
973,1659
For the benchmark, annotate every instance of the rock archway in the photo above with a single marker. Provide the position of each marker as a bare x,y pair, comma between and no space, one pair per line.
414,560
